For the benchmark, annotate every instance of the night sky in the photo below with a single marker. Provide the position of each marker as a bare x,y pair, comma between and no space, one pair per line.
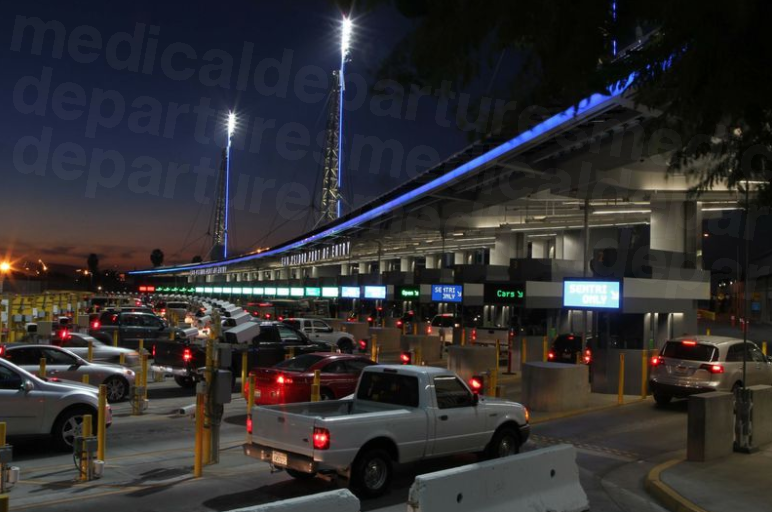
61,206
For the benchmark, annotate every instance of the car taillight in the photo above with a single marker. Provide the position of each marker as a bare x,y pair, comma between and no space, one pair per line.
281,318
587,356
712,368
362,344
474,335
2,351
369,319
405,357
187,355
429,330
550,355
476,383
249,423
281,379
321,438
399,323
656,361
95,324
689,343
153,351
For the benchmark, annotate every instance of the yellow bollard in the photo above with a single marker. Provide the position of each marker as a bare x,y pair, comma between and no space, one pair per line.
115,338
2,433
764,347
544,349
122,359
463,336
415,328
42,371
102,423
417,359
84,379
621,391
4,506
141,346
90,356
86,431
708,331
316,387
523,352
250,394
198,462
493,381
374,347
144,375
644,373
244,363
377,353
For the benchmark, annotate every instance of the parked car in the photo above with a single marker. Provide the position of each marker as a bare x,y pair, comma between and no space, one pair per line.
77,343
132,327
32,406
62,364
290,381
443,325
320,331
399,414
699,364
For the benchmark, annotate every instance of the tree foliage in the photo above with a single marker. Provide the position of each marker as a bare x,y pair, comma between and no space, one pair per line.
92,262
157,257
705,66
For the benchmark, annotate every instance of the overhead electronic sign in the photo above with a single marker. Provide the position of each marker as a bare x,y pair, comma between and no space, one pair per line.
313,291
283,292
375,292
296,292
447,293
408,292
592,294
330,292
350,292
270,291
505,293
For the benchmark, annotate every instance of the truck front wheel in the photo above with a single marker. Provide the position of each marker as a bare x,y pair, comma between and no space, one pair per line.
371,473
505,442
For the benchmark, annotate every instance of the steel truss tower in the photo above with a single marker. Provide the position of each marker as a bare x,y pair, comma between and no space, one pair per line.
330,190
220,227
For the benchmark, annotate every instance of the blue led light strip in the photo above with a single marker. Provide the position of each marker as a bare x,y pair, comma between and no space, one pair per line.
540,129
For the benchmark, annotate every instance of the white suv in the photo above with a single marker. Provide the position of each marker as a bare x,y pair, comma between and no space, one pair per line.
320,331
31,406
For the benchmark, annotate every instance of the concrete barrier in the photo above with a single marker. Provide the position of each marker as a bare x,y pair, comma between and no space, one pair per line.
388,339
555,387
431,348
710,426
468,361
334,501
359,330
761,415
538,481
605,370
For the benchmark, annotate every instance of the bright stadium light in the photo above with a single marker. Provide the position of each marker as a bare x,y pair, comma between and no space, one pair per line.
231,124
345,41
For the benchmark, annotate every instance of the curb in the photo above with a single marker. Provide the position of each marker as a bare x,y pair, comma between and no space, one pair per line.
666,495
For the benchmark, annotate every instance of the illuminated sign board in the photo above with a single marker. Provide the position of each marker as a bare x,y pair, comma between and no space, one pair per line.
199,289
313,291
227,290
375,292
217,289
330,292
350,292
283,292
504,293
591,294
208,289
257,291
408,292
296,292
270,291
447,293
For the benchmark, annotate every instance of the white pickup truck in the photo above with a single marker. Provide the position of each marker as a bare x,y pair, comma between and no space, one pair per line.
398,414
320,331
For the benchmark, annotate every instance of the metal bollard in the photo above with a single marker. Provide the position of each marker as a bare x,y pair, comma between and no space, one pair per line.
244,363
198,455
122,359
644,373
90,356
523,352
708,331
377,353
509,356
102,423
85,379
621,390
764,347
144,376
115,338
544,349
374,347
4,506
42,371
316,387
493,381
85,456
417,359
250,393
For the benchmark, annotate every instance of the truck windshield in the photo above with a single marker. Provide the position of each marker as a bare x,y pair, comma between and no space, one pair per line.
388,388
300,363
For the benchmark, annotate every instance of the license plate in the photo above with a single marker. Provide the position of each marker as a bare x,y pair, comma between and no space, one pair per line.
279,458
257,394
681,369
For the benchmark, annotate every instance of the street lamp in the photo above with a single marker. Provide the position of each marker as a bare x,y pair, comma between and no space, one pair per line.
5,267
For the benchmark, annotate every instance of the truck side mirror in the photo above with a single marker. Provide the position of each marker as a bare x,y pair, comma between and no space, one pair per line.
27,386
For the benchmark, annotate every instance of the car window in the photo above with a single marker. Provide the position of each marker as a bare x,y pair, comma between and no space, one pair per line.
300,363
288,335
293,323
756,354
9,379
335,367
150,321
131,321
74,341
108,319
320,325
24,356
389,388
734,354
267,334
690,351
451,393
356,366
58,357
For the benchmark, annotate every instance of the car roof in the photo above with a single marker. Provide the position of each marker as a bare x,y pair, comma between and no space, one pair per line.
337,355
711,340
428,370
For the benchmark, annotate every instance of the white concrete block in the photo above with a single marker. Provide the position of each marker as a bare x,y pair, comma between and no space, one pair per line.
340,500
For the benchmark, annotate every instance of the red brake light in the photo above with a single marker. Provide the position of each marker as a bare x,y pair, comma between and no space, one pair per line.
95,324
405,357
281,318
550,355
587,356
369,319
474,334
362,344
689,343
321,438
429,330
399,323
153,351
656,361
476,384
712,368
249,423
187,355
2,351
281,379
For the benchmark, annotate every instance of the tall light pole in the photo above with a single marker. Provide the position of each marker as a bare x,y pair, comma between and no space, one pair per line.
231,130
345,45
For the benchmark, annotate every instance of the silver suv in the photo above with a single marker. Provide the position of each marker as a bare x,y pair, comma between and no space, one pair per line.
699,364
31,406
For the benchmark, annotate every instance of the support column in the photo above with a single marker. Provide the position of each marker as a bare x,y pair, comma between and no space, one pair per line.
508,246
406,264
431,261
459,258
345,269
676,226
538,248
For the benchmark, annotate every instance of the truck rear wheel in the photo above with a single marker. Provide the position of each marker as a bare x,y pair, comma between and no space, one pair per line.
371,473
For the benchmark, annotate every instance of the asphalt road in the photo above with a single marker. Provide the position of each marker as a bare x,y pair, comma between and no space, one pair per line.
150,458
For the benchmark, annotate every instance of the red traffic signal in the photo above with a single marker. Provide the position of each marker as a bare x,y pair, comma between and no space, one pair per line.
406,358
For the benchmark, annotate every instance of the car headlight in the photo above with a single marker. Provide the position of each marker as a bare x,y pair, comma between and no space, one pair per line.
130,373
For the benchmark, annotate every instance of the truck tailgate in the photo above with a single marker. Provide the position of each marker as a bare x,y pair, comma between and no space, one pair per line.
275,427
